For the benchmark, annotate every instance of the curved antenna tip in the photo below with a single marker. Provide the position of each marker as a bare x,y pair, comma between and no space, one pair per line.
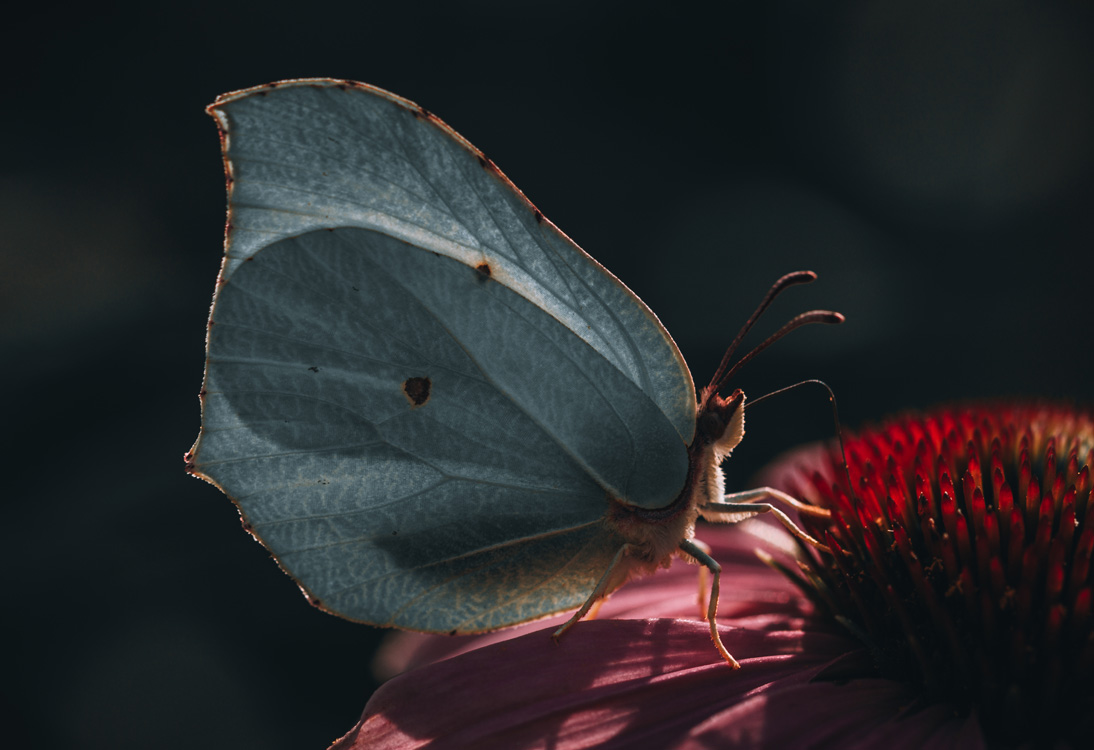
796,277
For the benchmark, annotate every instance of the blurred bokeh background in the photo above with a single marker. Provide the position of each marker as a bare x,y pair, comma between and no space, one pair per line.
932,161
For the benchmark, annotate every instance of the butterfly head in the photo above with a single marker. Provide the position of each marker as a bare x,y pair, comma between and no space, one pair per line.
720,423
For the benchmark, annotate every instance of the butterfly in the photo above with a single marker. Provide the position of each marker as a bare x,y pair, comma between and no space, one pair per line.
433,408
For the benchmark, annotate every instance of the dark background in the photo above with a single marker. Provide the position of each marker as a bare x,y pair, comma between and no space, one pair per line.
931,161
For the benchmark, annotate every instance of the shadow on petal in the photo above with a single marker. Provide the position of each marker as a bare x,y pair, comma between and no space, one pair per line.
608,683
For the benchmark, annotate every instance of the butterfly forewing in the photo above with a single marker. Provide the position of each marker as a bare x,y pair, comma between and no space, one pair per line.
317,154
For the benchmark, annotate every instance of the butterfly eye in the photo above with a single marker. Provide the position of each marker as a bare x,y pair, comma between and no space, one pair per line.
717,414
710,426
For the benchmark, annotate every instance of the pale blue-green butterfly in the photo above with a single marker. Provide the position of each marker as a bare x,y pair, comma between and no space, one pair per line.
433,408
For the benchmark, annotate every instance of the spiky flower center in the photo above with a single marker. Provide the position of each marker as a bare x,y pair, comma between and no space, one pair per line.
962,557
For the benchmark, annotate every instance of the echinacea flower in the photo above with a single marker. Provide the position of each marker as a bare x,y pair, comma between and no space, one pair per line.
963,560
929,624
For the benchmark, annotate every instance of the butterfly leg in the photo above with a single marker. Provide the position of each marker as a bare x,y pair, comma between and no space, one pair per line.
742,506
715,569
602,588
703,571
765,493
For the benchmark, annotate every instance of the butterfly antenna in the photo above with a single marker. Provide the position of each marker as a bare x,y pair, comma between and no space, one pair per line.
835,419
813,316
790,279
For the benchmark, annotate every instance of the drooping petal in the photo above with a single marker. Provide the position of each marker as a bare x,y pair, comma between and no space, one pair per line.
626,683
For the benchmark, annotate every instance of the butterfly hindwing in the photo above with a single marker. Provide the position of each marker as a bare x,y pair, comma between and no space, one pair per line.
395,393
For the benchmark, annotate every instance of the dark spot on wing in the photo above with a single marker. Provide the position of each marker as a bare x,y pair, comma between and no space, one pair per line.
484,271
313,368
538,214
417,390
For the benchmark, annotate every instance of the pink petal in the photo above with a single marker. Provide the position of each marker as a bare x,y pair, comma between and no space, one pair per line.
625,682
